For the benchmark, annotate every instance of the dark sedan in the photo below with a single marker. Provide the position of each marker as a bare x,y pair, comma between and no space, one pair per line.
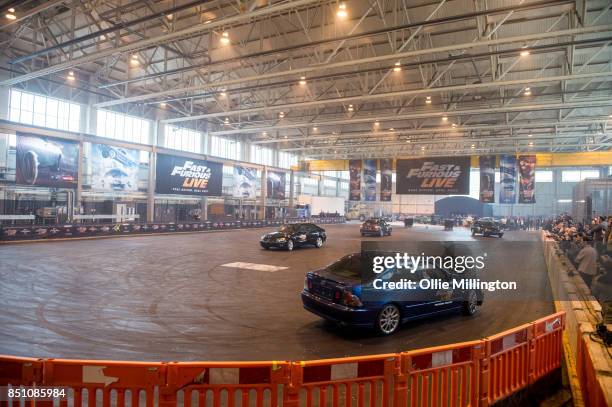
487,227
292,236
337,293
376,227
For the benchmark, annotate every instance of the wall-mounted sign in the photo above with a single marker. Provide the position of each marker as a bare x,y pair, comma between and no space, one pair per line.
188,176
433,176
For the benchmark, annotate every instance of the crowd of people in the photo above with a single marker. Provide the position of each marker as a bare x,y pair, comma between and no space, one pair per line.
588,245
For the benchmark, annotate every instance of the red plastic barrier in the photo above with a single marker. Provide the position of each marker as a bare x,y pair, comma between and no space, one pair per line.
476,373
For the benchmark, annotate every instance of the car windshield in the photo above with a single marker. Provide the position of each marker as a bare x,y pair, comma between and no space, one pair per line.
349,266
372,221
287,228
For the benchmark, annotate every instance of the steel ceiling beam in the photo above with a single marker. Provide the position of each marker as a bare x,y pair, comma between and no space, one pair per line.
153,41
389,96
115,27
420,115
351,63
436,130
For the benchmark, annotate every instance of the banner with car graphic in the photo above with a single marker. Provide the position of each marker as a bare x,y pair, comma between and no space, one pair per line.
487,178
355,180
526,166
46,161
386,179
433,176
114,168
245,180
188,176
507,169
369,180
275,188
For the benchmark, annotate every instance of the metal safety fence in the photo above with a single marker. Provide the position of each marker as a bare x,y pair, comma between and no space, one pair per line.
475,373
65,231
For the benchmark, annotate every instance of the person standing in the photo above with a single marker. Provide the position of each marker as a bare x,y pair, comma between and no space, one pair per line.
587,263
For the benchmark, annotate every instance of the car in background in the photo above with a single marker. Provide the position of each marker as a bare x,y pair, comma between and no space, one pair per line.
487,227
118,154
337,294
376,227
294,235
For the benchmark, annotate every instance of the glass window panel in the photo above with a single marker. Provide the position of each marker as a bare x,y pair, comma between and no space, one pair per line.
543,176
52,122
40,106
15,99
39,120
27,101
15,115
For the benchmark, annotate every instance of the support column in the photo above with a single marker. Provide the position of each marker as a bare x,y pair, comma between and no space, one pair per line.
76,209
204,207
291,190
264,193
151,187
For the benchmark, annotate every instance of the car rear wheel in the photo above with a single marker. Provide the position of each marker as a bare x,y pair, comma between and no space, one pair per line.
470,306
319,242
500,235
290,245
388,320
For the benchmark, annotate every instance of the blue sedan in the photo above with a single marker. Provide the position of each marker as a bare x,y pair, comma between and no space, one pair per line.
336,293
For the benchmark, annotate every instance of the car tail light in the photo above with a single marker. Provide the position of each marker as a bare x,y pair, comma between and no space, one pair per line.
351,300
307,284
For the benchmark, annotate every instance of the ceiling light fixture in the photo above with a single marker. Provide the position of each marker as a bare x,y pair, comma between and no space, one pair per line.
303,80
530,135
350,108
71,76
225,40
315,128
281,114
342,13
444,118
169,17
377,123
525,53
163,104
10,15
428,100
397,67
527,93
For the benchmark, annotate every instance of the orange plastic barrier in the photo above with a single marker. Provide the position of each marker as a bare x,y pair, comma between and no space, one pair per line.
476,373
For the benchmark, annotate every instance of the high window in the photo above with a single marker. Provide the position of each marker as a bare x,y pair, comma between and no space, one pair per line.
180,138
120,126
287,160
262,155
44,111
225,148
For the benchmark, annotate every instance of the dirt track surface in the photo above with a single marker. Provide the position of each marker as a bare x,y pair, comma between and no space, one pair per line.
169,298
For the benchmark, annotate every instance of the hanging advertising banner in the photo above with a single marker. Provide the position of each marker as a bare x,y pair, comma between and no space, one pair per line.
275,188
188,176
507,169
46,161
527,165
386,179
114,168
369,179
354,180
244,182
433,176
487,178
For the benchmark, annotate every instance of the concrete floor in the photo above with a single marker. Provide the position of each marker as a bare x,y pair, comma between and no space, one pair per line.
169,298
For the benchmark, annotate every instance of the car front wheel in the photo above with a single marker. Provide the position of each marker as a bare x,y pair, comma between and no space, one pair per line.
290,245
319,242
388,320
470,306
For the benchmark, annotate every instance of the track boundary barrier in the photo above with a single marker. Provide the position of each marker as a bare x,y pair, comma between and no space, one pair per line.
77,230
474,373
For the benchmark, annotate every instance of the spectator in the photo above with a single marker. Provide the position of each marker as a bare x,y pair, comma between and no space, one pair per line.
587,263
